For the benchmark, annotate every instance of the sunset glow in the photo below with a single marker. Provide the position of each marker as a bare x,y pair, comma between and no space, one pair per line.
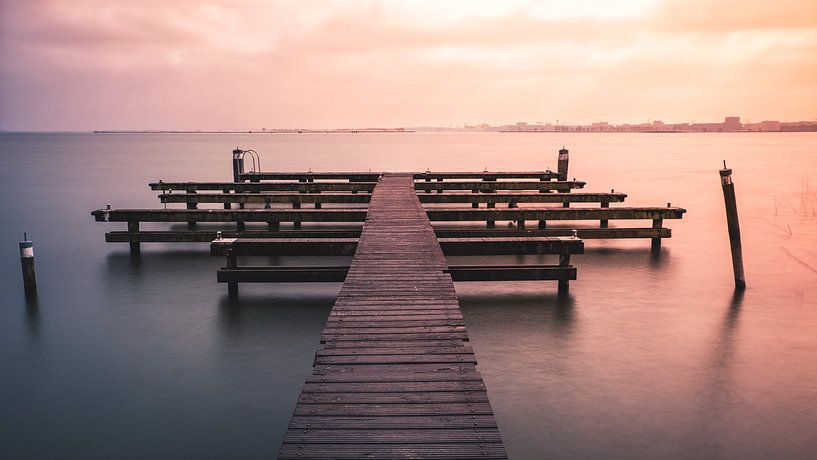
189,64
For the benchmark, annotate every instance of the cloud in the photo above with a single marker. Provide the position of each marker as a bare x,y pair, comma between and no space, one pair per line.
250,63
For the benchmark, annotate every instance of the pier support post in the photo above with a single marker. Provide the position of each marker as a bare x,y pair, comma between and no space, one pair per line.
428,181
734,226
603,223
564,284
239,226
133,227
491,223
232,263
655,246
296,223
227,205
564,159
191,224
543,224
439,181
27,265
238,163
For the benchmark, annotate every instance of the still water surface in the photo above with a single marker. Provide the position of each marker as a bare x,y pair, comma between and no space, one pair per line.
651,357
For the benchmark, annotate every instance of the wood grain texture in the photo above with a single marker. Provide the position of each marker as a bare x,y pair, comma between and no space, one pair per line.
395,377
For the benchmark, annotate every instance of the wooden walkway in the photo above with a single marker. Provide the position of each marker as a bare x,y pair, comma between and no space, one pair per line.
395,377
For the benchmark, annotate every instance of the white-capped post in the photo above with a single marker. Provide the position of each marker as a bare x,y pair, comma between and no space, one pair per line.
27,264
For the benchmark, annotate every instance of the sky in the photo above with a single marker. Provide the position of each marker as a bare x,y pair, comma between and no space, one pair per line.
238,64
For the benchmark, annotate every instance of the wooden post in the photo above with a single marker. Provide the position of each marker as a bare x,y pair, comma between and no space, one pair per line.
133,227
428,181
491,223
296,223
564,284
656,241
564,159
734,226
232,263
238,163
440,190
603,223
227,205
27,265
191,224
239,226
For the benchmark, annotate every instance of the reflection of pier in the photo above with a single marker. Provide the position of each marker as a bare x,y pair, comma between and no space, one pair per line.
394,376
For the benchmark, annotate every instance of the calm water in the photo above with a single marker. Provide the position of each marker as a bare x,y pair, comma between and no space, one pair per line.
652,357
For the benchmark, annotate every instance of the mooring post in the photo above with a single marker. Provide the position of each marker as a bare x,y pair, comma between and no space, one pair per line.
564,159
734,226
238,164
133,227
27,264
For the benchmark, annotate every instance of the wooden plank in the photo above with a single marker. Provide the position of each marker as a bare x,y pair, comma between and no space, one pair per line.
300,423
422,436
393,451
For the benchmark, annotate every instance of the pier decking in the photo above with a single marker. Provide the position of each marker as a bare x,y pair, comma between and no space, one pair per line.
395,378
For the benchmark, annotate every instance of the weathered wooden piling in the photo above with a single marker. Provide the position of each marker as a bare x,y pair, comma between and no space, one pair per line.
733,225
238,164
564,159
27,265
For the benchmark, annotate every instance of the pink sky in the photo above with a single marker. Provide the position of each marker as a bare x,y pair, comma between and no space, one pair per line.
150,64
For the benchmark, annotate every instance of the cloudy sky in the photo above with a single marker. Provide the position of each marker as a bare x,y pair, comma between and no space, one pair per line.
189,64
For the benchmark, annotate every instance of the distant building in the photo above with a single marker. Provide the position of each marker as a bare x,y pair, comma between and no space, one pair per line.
732,124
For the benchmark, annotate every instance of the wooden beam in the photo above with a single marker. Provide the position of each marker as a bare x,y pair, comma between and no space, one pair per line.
490,186
306,187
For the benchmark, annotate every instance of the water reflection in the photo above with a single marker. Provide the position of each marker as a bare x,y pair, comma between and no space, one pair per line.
518,311
32,316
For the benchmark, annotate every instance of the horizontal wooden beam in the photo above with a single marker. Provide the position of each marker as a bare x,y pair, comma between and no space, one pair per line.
207,236
359,215
373,176
310,176
500,185
230,215
582,233
485,214
347,246
267,186
264,198
486,175
520,197
337,274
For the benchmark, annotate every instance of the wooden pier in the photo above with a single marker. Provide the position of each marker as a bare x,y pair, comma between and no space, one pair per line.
395,377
